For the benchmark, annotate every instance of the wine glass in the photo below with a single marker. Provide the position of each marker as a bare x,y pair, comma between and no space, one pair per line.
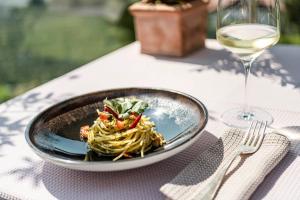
247,28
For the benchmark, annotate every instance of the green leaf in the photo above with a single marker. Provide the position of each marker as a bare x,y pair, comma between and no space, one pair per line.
139,107
125,106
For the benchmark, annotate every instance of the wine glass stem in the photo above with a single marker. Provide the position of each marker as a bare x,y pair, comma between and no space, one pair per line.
247,67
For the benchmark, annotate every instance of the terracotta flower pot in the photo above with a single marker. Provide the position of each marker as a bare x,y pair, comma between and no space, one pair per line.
170,30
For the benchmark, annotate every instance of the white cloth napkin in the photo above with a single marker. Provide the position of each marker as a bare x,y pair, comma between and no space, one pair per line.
242,178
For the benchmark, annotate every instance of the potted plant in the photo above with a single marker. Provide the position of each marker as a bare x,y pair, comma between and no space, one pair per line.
170,27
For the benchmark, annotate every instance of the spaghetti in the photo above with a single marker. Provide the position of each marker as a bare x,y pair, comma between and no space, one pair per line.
122,132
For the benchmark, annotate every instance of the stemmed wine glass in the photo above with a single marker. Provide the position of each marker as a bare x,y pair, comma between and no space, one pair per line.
247,28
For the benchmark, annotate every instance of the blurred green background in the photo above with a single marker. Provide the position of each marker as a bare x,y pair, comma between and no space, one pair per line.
43,39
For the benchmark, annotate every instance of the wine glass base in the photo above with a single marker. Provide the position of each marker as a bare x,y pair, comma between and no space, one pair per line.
237,118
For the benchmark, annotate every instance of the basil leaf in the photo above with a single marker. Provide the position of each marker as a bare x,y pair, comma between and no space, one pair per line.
125,106
139,107
116,105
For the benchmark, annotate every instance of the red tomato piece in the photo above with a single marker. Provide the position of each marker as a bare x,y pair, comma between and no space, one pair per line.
103,116
120,124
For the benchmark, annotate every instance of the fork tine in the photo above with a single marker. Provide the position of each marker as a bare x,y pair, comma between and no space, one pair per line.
252,135
257,134
262,134
247,134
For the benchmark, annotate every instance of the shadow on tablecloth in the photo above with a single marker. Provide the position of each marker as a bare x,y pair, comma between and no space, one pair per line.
279,63
135,184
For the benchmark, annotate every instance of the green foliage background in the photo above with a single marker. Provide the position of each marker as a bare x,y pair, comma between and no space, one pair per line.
38,44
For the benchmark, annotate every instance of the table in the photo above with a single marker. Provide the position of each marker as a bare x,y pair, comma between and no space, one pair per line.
210,74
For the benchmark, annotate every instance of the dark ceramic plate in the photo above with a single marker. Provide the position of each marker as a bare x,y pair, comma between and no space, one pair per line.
54,133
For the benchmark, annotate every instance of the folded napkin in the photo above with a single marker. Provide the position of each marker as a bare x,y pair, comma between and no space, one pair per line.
242,178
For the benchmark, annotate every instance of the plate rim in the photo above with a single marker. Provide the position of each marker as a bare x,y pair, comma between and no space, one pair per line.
78,163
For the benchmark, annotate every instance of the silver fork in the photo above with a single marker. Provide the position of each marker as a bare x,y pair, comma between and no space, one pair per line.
249,145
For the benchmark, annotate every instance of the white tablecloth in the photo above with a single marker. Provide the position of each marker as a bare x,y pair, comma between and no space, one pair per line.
211,75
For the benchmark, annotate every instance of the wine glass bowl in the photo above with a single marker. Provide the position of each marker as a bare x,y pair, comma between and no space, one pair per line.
247,28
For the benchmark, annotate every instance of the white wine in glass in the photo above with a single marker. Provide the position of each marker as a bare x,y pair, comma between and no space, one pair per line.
247,28
247,41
